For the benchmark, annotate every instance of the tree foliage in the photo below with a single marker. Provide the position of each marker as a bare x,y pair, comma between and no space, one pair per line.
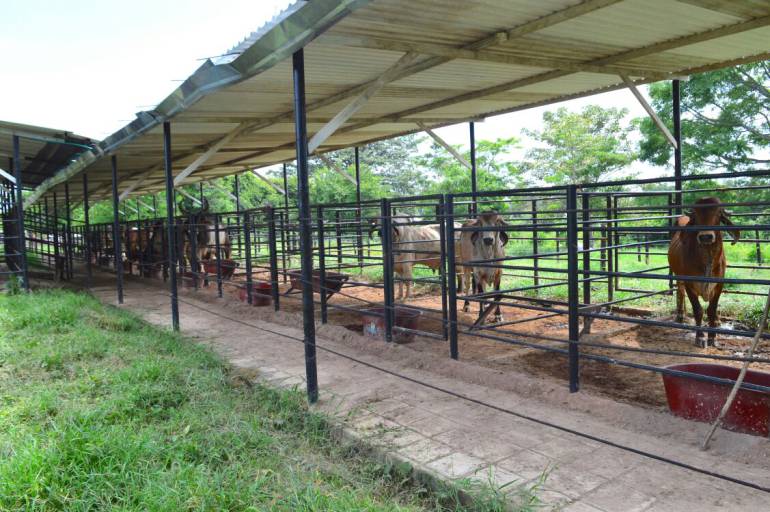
580,147
725,120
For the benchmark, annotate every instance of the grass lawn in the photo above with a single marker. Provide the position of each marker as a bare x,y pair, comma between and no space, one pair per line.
100,411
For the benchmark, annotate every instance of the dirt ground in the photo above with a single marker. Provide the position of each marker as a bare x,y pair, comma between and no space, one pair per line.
621,383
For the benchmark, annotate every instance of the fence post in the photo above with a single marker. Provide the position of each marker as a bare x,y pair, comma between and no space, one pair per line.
338,233
535,248
759,251
87,232
572,287
247,242
387,267
443,241
218,249
115,228
272,242
322,265
586,258
449,225
68,245
171,230
305,231
611,247
21,246
57,241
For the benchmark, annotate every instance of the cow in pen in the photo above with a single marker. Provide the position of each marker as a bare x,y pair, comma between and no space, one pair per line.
200,231
412,245
696,253
484,244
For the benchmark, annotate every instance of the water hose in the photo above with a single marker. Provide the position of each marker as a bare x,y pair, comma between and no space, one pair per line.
741,376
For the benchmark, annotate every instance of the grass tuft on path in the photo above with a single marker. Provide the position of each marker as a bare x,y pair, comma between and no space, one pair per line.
100,411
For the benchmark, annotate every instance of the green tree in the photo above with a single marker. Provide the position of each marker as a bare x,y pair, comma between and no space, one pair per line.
725,120
495,169
580,147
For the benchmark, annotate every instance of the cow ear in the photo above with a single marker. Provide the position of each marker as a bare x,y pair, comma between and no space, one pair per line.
724,218
503,234
395,232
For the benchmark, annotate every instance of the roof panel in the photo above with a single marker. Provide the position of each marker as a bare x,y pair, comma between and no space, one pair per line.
474,58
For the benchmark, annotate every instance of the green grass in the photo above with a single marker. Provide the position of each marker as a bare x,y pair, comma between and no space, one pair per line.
99,411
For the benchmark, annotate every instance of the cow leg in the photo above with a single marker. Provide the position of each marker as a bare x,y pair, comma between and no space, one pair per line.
498,314
711,314
479,284
400,287
466,288
680,308
697,312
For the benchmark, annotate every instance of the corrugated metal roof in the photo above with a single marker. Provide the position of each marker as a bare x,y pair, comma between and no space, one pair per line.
475,58
43,151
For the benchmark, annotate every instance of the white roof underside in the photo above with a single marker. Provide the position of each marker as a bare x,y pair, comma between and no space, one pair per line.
476,58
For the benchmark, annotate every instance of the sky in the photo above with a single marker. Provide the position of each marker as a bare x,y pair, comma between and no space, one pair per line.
88,66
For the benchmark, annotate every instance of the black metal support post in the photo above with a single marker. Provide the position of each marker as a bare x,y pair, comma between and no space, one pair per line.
305,234
387,267
237,193
247,241
676,98
359,232
572,288
87,232
443,276
474,187
116,228
58,268
451,272
171,226
21,245
272,242
218,249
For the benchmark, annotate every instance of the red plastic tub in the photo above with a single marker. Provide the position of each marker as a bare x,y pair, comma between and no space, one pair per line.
260,294
701,401
373,320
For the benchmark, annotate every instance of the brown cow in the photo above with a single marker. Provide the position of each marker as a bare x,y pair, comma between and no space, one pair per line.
700,253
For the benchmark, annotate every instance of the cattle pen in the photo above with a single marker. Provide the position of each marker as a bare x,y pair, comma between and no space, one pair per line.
585,294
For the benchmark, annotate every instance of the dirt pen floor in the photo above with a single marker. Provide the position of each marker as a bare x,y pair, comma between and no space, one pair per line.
630,385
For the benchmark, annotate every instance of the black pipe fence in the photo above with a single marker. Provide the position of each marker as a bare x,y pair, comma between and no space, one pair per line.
580,256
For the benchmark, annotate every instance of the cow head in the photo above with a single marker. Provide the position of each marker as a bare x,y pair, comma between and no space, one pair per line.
708,212
374,226
489,235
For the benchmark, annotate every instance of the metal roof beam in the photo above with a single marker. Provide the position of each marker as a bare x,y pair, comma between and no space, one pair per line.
650,111
331,165
354,106
221,189
451,52
7,176
550,75
445,145
264,178
189,196
210,152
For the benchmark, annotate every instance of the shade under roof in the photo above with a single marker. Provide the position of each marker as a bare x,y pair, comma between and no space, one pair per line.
442,62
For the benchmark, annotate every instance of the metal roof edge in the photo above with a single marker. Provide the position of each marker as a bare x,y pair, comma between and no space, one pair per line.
287,35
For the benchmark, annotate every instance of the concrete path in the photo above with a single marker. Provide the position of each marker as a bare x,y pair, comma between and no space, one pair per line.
453,438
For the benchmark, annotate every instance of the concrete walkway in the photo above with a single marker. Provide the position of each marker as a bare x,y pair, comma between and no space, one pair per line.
452,438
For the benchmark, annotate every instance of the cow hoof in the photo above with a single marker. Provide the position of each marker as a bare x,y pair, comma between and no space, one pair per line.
679,319
498,319
466,308
700,341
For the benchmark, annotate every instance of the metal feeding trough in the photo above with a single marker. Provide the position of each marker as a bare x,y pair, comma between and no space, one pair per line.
701,401
260,294
228,268
373,320
333,282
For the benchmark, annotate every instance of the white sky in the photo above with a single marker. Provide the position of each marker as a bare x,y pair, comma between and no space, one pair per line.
88,66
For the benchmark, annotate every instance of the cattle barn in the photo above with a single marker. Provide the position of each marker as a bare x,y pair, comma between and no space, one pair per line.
583,292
